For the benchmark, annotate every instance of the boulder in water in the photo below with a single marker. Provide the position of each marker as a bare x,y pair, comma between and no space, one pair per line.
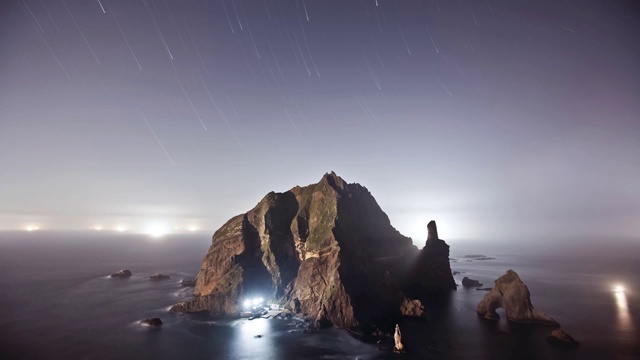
124,273
466,282
511,294
154,322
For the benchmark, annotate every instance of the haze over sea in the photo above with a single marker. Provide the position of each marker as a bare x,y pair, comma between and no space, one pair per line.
58,303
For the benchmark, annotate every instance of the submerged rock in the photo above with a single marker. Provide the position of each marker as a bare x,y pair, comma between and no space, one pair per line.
327,251
154,322
124,273
563,340
466,282
511,294
159,277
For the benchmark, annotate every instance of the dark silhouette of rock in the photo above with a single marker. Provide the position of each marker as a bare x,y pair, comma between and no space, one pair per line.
511,294
432,231
154,322
159,277
413,308
188,283
466,282
432,271
455,273
562,340
483,289
327,251
124,273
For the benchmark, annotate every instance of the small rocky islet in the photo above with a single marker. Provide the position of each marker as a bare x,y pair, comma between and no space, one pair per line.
124,273
152,322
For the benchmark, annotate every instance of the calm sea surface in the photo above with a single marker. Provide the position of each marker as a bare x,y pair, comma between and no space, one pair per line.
56,302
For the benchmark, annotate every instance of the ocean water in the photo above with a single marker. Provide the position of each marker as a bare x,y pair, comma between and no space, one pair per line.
57,302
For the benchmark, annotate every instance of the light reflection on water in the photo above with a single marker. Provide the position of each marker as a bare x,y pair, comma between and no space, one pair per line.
247,346
625,323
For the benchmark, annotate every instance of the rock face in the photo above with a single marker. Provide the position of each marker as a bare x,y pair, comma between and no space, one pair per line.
412,308
327,251
511,294
562,340
466,282
124,273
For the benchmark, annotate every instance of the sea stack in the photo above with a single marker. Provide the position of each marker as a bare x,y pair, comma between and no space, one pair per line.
432,229
431,270
511,294
326,251
397,337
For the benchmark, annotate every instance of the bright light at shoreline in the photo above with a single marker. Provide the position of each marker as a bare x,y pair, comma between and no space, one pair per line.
193,228
32,228
157,230
618,288
120,228
97,227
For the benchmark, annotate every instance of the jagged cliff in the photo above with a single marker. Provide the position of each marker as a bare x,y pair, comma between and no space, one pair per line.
326,250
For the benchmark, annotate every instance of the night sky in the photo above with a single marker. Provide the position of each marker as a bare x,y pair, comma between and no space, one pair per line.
500,119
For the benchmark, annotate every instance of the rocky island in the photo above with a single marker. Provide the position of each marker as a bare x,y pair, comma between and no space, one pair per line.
511,294
326,252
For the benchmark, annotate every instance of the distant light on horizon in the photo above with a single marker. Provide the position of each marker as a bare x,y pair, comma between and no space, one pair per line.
157,230
193,228
97,227
121,228
32,228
